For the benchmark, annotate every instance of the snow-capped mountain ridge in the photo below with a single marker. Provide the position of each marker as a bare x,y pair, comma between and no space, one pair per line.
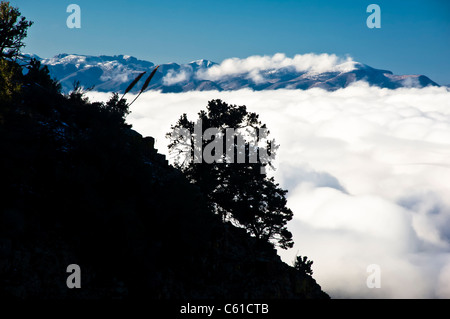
114,73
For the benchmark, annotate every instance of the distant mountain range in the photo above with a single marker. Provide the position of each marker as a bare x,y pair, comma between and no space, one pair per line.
114,74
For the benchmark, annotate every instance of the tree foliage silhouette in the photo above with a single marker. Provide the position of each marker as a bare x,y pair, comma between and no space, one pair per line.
237,190
10,75
13,29
303,265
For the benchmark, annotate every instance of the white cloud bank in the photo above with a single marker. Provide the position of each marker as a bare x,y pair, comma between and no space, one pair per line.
255,67
368,174
174,77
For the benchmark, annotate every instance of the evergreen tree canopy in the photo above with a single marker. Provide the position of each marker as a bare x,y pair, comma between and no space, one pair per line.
13,29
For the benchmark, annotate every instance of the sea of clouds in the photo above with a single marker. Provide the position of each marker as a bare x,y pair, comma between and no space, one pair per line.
368,175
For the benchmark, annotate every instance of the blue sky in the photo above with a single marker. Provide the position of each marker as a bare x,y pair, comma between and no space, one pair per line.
414,37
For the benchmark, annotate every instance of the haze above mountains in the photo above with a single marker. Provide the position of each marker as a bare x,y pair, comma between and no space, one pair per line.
326,71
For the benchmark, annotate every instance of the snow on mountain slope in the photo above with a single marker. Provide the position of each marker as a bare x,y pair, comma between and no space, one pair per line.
327,71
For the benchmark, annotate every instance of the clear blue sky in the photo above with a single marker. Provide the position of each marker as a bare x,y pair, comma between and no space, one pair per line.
414,37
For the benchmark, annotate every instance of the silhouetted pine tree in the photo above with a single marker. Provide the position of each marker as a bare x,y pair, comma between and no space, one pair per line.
239,191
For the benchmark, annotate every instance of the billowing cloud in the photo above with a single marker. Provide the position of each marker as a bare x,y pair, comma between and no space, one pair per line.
255,66
174,77
367,171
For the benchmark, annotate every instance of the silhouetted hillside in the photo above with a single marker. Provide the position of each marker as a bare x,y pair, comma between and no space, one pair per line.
79,186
